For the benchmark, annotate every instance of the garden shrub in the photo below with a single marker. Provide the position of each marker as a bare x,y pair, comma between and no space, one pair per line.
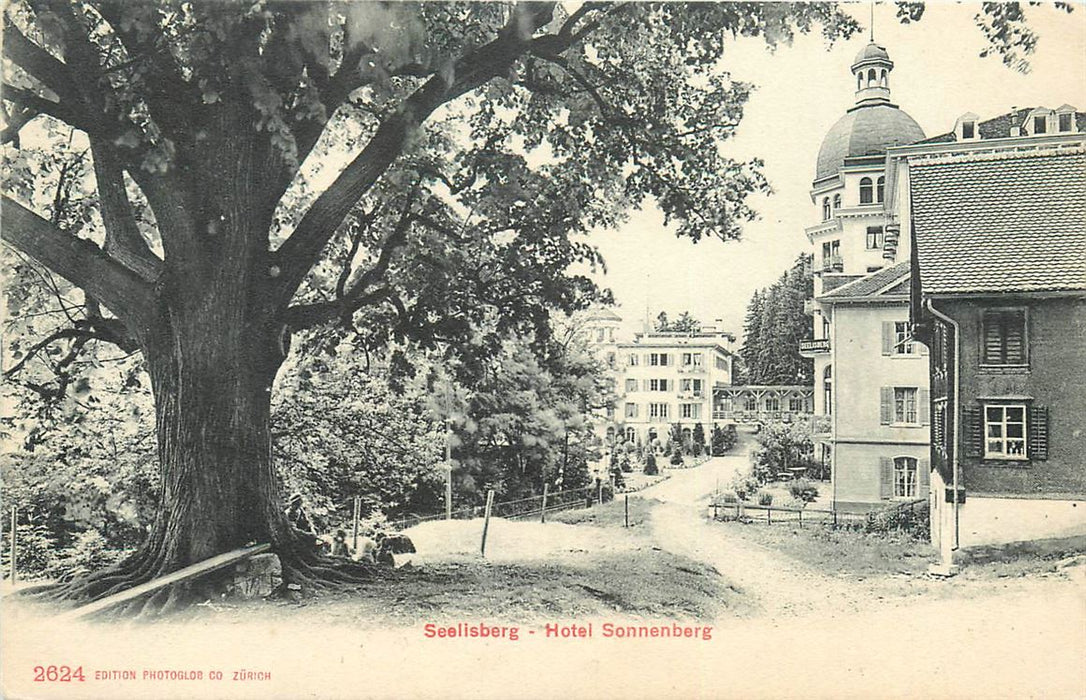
803,490
677,457
650,465
765,498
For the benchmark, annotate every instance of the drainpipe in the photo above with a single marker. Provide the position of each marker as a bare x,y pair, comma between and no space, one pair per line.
954,461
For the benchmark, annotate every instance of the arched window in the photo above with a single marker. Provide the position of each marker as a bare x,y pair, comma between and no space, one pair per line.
872,77
825,208
880,188
884,80
866,193
827,388
631,435
836,201
860,80
905,477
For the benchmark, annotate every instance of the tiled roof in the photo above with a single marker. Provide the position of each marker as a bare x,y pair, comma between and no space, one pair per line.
1013,223
871,285
1000,127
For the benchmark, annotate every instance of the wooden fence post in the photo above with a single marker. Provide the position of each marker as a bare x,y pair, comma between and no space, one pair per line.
627,513
769,515
543,505
599,493
355,518
14,539
486,520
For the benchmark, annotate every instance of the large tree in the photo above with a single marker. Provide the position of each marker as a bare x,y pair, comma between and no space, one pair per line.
261,168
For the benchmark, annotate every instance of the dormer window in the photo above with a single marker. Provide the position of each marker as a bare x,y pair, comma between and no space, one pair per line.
1040,121
966,127
1039,125
1065,119
867,193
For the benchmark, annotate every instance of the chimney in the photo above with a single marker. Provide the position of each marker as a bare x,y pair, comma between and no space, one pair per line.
1016,130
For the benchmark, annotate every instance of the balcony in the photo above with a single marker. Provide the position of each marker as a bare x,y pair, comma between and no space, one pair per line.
830,226
810,347
833,263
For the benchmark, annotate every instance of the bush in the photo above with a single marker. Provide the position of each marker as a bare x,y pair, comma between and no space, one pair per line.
745,486
650,464
723,439
89,552
765,498
914,522
677,457
803,490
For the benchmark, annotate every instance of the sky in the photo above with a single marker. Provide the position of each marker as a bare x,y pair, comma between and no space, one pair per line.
801,91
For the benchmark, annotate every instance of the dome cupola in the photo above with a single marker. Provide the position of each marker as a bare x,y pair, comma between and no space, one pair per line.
872,72
874,123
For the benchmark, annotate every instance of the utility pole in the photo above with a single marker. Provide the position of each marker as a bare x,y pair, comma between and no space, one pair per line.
448,450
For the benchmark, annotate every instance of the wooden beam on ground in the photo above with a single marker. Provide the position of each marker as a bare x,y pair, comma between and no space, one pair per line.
192,571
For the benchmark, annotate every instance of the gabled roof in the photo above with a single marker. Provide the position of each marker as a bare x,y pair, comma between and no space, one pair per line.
889,283
1000,127
1001,222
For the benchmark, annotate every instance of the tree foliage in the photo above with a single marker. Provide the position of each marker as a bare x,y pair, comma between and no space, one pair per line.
774,325
685,323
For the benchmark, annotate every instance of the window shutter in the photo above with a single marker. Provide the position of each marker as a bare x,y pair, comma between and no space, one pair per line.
923,476
886,407
972,431
1038,432
645,385
886,477
923,406
887,337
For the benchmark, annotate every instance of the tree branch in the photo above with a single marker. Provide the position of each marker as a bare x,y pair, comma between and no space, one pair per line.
124,242
302,250
39,63
81,262
28,99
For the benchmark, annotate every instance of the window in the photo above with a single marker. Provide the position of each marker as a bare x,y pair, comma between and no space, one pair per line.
1004,337
611,335
905,405
905,477
631,385
884,79
836,202
969,129
860,80
725,405
750,404
657,410
825,208
796,404
633,360
631,435
690,410
631,410
691,386
874,237
872,76
903,344
1005,432
772,403
827,388
721,363
692,359
1040,124
610,412
1065,122
880,188
600,335
658,385
867,194
611,360
659,359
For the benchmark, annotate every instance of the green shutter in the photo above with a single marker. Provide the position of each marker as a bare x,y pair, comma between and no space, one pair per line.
886,405
887,337
1038,432
923,406
972,431
886,477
